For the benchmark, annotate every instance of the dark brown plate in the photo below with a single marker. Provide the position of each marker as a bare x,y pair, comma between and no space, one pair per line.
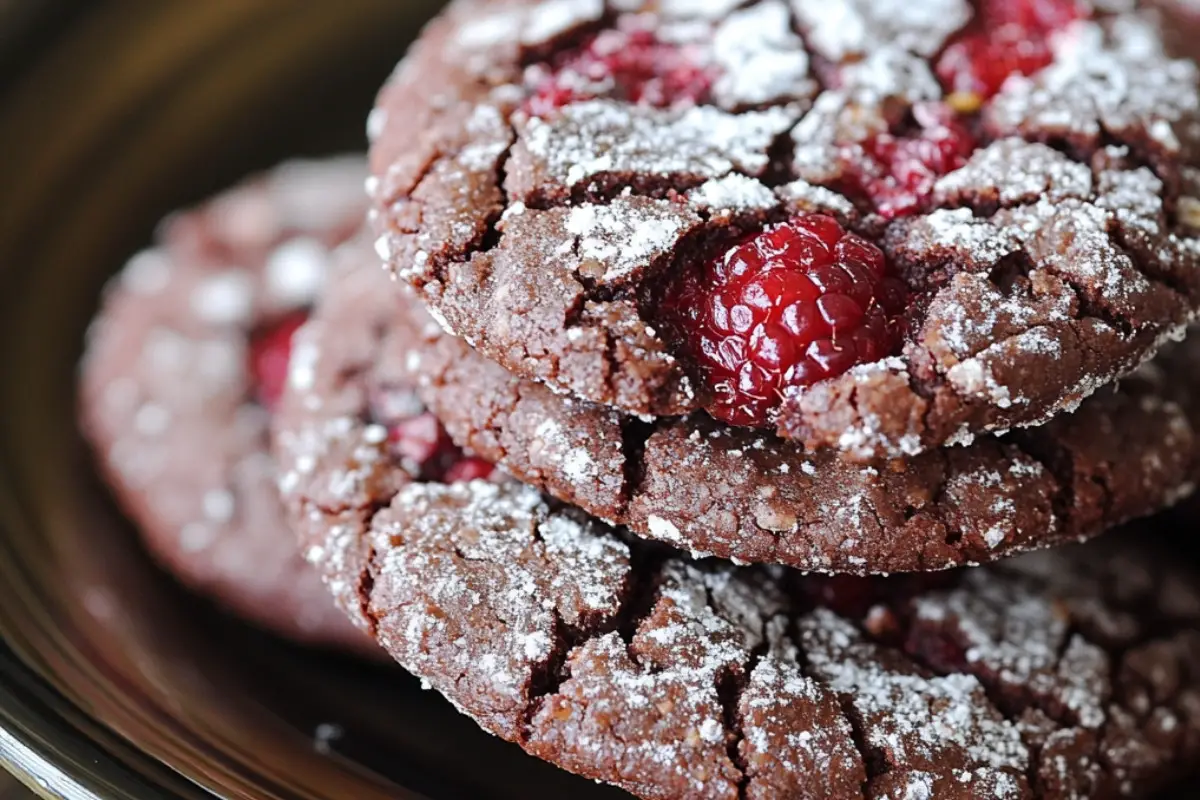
113,681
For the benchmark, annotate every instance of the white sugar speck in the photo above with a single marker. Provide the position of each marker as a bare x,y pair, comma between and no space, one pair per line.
218,505
296,270
664,529
226,298
326,734
147,273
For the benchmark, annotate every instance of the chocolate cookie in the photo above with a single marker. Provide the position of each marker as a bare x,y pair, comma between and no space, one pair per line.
897,228
1068,674
183,363
702,486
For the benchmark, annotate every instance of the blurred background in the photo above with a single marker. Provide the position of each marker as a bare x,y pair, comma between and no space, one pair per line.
113,112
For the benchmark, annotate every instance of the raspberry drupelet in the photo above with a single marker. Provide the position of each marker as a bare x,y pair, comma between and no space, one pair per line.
423,445
796,303
1009,37
897,173
626,63
417,438
270,352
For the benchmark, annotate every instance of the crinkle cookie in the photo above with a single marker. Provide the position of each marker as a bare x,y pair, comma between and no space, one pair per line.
871,226
700,485
1073,673
183,366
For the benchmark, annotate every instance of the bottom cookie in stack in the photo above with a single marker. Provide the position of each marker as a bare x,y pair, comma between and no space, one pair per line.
185,358
1070,673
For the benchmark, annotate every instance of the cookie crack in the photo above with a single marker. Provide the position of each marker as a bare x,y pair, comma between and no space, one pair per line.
635,606
995,699
371,566
937,508
491,237
873,760
1140,258
635,434
730,687
874,764
646,565
1014,706
547,677
366,588
1059,463
437,266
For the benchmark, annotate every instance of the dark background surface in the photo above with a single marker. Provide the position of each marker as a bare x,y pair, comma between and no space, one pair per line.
95,145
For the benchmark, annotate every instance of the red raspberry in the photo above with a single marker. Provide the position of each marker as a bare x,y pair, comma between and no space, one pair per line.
629,64
789,306
1010,37
897,173
468,468
421,439
270,351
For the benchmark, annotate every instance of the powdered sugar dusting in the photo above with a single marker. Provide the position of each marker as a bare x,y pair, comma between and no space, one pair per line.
1114,80
760,60
625,235
555,17
732,193
913,719
840,29
1019,172
598,137
226,298
1020,638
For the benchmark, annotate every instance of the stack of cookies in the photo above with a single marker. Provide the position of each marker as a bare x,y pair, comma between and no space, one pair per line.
737,354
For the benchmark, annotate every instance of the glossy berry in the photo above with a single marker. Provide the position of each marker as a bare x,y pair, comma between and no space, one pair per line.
422,442
624,64
270,351
794,304
898,172
1010,37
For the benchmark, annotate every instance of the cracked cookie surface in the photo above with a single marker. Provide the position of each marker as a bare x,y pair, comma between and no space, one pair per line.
703,486
1053,258
190,342
1060,674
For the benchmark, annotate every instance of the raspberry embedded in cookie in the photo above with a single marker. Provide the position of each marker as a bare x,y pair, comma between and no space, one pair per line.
468,468
422,443
270,351
897,173
630,64
419,439
1010,37
791,305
